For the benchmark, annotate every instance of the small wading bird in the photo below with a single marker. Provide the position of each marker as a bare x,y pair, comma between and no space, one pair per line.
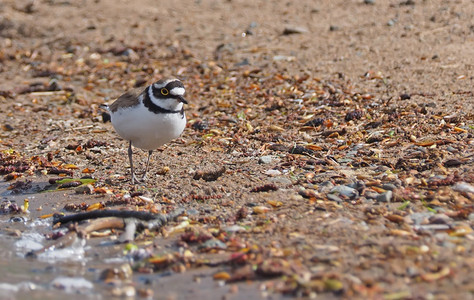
149,117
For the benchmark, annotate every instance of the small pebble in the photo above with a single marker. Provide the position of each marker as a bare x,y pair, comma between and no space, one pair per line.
85,189
371,195
413,271
369,1
272,172
265,159
389,186
471,217
434,227
325,187
391,22
385,197
463,187
335,198
281,180
451,149
244,62
234,228
213,244
420,218
440,219
358,185
345,191
294,29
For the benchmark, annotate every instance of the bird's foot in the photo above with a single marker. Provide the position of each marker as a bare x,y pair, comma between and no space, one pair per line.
135,179
144,178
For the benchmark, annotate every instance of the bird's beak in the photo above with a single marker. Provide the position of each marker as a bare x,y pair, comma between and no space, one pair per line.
182,100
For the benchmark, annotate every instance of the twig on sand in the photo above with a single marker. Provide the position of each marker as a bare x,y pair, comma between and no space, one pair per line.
129,221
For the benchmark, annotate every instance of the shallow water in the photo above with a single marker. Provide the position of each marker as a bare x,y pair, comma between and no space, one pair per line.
74,272
71,272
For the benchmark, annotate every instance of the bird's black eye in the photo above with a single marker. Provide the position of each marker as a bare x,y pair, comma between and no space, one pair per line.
164,92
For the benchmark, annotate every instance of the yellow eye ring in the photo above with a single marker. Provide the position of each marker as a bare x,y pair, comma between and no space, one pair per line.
164,92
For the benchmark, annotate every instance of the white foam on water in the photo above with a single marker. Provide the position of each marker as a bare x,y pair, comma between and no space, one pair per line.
75,252
30,241
71,284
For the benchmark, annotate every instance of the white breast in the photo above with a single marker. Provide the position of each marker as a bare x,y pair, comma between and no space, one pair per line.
146,129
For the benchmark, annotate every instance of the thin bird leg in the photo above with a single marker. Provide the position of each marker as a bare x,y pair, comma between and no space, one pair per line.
130,154
147,164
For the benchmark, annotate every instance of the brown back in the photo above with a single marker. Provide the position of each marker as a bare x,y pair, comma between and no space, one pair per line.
128,99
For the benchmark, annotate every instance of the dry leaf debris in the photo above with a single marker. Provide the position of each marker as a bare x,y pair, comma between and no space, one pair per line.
365,190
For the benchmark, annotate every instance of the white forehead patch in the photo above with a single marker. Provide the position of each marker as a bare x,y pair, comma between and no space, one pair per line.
177,91
159,85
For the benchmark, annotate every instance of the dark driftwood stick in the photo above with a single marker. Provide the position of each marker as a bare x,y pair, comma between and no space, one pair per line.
95,214
117,219
153,221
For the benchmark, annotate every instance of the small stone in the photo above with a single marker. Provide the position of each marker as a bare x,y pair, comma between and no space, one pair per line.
212,244
369,2
280,180
413,271
7,127
234,228
421,218
405,96
358,185
433,227
119,273
260,209
265,159
192,212
298,198
272,172
345,191
335,198
283,58
85,189
463,187
294,29
389,186
385,197
451,149
131,54
440,219
471,217
325,187
391,22
450,163
307,193
210,173
374,137
371,195
244,62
